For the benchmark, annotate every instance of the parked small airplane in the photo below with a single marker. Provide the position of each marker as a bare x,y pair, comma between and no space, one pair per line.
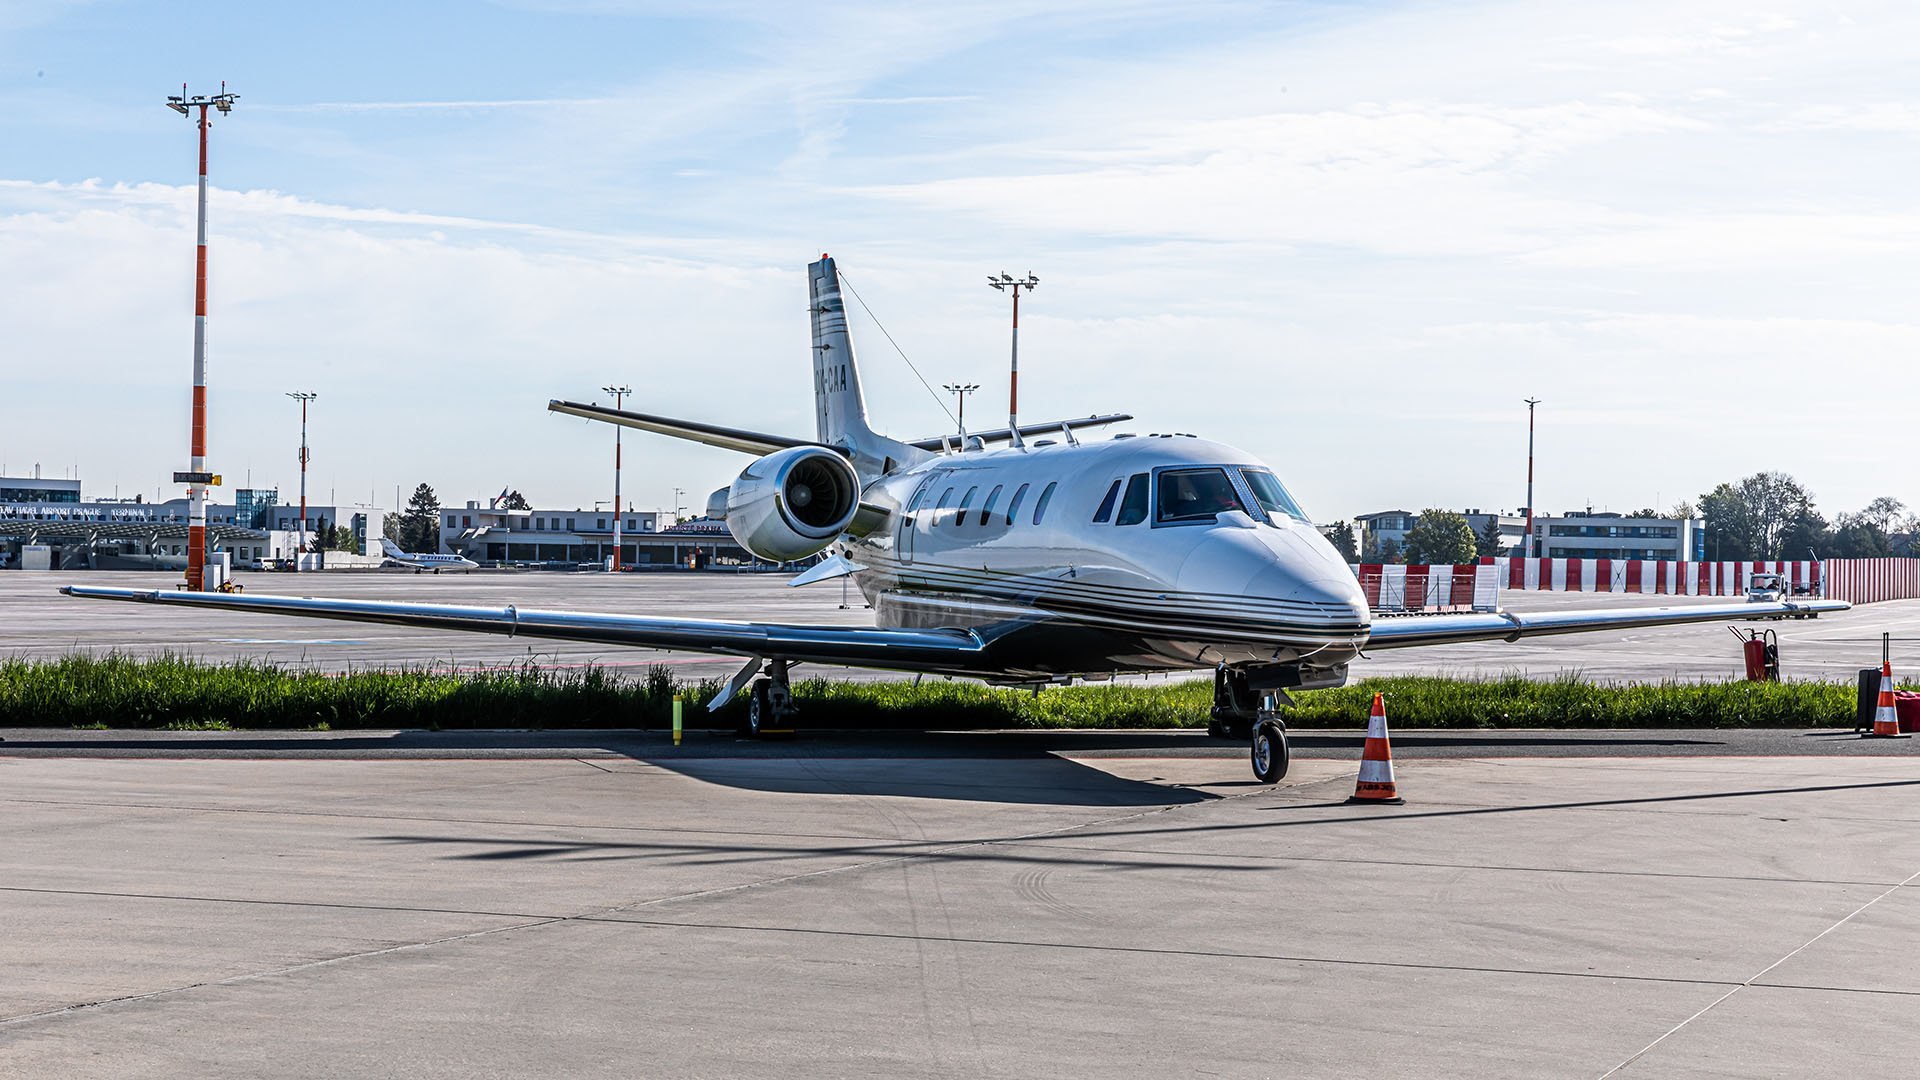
435,563
1017,556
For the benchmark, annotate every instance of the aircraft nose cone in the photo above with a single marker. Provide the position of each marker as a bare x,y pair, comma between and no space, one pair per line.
1291,568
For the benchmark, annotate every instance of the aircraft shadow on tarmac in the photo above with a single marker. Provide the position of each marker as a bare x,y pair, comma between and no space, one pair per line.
1004,767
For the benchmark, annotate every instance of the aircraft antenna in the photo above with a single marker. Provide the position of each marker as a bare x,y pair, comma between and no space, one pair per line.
197,478
1008,283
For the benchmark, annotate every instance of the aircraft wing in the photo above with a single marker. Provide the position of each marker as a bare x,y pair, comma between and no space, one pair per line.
758,443
1414,630
955,651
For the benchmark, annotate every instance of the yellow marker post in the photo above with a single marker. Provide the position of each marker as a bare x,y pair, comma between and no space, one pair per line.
676,720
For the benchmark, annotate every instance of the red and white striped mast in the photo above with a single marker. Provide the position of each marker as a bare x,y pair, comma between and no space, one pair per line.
1006,282
197,478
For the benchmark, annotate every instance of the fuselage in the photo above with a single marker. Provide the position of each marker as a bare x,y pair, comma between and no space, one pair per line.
1132,554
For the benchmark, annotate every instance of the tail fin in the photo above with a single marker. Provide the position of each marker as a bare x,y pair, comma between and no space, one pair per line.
840,410
390,549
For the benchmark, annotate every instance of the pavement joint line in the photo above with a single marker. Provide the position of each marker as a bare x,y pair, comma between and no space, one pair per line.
589,764
670,830
1448,865
272,903
1757,976
1218,954
308,965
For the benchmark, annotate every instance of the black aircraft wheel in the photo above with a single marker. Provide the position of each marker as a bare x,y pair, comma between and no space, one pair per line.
759,709
1270,754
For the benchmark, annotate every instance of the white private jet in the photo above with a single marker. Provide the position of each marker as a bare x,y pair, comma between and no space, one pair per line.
1018,557
436,563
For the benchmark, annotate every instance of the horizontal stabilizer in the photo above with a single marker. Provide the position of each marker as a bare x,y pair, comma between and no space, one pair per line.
747,442
827,569
1027,431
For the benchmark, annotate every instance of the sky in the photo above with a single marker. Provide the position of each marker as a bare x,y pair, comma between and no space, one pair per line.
1349,238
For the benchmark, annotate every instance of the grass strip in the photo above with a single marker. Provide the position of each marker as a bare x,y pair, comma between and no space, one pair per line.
178,692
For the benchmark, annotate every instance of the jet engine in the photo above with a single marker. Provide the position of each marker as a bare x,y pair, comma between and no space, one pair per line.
792,503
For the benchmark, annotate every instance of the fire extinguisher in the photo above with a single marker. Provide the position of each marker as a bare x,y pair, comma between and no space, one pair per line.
1762,653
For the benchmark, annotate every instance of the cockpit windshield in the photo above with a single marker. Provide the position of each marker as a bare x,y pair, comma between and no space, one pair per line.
1271,494
1195,495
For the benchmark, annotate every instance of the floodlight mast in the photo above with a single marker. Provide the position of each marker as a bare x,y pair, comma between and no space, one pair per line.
1532,548
197,469
619,394
303,397
1007,282
961,390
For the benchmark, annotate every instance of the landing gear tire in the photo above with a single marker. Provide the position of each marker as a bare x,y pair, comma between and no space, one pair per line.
1270,753
759,708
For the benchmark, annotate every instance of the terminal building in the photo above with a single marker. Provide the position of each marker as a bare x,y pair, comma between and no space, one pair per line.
47,524
495,536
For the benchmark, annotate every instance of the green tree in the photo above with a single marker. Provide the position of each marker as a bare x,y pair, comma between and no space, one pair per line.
321,538
1342,537
1490,541
1751,519
1884,513
344,540
420,525
516,501
1440,536
1858,538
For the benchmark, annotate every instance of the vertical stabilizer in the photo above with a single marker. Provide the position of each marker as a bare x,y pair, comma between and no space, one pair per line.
839,409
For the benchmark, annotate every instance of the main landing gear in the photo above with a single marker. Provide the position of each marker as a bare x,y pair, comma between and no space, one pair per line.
1240,712
770,708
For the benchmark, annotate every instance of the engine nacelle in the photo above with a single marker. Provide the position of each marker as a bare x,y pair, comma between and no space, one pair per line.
793,503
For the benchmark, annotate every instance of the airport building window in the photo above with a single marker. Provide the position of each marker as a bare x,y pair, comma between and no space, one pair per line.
540,524
960,515
1195,495
599,523
569,524
986,511
1133,507
1013,508
1046,496
1101,515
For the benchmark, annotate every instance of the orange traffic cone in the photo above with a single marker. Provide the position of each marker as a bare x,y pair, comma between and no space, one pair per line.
1376,762
1886,722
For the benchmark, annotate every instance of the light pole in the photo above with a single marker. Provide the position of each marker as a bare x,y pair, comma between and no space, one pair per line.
1533,546
303,397
677,492
961,390
1006,282
619,394
197,477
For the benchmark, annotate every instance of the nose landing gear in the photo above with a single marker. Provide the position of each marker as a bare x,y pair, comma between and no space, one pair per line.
1270,755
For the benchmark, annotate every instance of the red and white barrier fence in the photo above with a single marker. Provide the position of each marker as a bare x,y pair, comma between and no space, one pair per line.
1393,587
1397,587
1652,576
1868,581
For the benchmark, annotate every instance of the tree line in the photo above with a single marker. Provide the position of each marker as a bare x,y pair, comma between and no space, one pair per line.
1767,516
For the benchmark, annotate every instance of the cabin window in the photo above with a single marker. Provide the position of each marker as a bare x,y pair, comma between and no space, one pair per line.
934,518
1272,496
1106,504
1013,508
1190,495
986,512
960,515
1133,505
1046,496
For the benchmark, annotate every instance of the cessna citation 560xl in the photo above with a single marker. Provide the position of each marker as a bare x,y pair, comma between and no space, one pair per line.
1019,556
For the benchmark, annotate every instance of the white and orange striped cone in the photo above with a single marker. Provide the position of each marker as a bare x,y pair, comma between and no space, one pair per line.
1376,762
1886,722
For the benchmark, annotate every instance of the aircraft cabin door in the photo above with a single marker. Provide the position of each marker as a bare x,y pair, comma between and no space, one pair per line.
908,519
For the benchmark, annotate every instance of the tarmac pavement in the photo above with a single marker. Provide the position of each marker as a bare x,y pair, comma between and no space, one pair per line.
840,905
